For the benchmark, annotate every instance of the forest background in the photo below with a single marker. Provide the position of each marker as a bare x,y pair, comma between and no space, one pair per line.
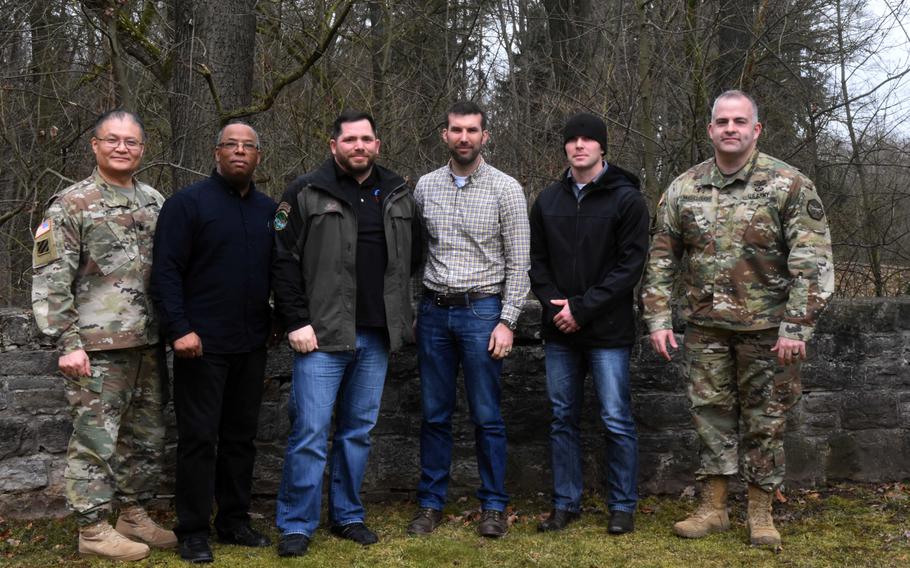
831,78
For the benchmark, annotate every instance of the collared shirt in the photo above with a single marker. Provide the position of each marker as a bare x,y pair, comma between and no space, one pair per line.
478,238
92,261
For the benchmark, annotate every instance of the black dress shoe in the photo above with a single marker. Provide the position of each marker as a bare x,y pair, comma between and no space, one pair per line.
493,524
621,522
244,535
558,520
358,532
196,549
293,544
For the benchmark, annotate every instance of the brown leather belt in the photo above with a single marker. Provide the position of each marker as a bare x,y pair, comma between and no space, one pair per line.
462,299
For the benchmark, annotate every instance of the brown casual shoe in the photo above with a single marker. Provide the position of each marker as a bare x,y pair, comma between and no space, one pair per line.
135,524
493,524
425,521
100,539
760,521
711,515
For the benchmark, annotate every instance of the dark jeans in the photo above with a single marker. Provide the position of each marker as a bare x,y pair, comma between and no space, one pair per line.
449,337
216,399
567,366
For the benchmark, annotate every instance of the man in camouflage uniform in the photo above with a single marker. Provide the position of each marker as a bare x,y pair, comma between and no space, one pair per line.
92,261
760,270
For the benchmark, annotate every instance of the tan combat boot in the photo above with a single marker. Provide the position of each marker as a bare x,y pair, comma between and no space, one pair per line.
100,539
135,524
761,523
711,515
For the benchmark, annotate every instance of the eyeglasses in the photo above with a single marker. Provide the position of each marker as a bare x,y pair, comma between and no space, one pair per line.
232,145
112,143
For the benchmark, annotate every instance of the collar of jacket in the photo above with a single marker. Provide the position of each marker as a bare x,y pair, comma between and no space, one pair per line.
715,178
614,177
323,178
113,198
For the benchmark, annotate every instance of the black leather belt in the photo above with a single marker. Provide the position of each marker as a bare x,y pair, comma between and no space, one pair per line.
463,299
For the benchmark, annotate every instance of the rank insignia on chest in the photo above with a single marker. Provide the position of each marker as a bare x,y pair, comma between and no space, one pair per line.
331,206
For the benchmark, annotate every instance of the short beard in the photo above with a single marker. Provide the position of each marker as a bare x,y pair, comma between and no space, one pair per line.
348,167
464,160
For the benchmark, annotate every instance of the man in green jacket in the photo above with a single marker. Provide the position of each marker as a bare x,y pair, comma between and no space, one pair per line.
344,251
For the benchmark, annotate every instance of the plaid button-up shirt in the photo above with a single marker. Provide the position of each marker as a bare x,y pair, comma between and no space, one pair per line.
478,235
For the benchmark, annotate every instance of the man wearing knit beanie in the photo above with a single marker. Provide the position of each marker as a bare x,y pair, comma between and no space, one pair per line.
589,241
586,125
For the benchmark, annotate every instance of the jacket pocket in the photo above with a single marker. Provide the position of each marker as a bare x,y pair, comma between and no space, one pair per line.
110,247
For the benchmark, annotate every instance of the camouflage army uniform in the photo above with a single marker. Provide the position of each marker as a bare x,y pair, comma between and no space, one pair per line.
759,267
92,263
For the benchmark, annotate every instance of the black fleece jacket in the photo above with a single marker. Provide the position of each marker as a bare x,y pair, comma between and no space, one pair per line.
592,252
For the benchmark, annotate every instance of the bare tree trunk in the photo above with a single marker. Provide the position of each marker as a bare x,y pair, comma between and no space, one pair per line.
869,216
213,73
696,64
645,107
570,50
733,39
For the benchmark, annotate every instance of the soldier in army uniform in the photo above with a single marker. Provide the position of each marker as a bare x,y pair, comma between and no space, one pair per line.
759,272
92,262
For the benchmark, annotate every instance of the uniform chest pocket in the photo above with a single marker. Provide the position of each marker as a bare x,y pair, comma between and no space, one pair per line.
695,224
763,229
111,246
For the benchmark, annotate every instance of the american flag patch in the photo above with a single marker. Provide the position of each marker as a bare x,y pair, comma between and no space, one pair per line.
43,228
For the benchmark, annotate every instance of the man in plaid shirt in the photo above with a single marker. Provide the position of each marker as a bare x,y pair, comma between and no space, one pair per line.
475,283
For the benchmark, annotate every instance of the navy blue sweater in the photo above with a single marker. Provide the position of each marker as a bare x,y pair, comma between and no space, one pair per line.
212,260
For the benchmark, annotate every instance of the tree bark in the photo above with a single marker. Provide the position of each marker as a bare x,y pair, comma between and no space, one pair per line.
213,73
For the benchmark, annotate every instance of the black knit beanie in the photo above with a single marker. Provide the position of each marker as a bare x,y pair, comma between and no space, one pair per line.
587,125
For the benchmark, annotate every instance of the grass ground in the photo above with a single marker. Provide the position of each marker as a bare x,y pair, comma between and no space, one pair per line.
842,526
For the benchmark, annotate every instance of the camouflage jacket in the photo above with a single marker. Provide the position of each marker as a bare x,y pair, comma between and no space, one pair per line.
758,248
92,263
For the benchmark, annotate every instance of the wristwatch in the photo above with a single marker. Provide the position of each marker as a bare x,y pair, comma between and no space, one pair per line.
511,325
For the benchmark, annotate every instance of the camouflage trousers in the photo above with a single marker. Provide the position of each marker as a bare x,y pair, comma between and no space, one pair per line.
739,397
118,432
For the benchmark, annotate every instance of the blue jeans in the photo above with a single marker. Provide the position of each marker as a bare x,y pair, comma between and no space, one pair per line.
353,379
447,337
566,370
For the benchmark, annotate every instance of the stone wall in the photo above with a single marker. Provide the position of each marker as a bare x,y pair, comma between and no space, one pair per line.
852,424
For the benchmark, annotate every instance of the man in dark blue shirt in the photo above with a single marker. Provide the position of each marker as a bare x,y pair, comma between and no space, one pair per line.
210,281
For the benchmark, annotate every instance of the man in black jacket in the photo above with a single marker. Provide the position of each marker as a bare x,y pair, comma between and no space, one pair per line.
210,281
589,242
343,257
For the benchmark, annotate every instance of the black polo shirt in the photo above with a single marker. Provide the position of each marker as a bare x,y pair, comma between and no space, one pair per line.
372,255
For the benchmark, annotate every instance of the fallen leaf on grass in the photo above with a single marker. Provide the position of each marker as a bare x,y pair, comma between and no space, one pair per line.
779,496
